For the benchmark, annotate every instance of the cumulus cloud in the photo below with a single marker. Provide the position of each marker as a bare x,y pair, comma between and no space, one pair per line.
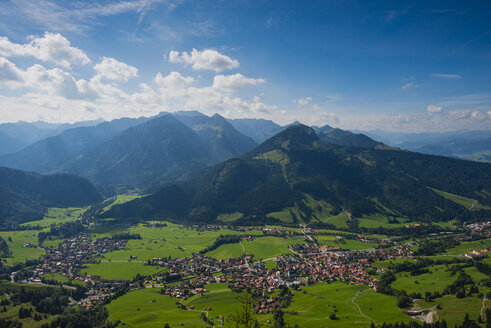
173,80
9,72
204,60
51,47
304,101
51,81
232,83
434,109
114,70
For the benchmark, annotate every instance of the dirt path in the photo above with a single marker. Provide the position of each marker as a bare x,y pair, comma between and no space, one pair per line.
483,308
358,307
243,247
472,206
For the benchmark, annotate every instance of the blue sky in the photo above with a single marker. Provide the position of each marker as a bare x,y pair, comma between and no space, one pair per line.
392,65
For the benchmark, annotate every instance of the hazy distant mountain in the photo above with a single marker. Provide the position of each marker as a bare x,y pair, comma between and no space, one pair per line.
346,138
15,136
471,145
47,155
223,139
136,152
25,196
258,129
297,174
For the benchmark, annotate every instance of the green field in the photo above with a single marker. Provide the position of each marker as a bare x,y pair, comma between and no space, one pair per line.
379,220
466,246
314,304
147,308
120,199
230,217
261,248
58,215
20,253
340,220
161,242
227,251
464,201
436,280
350,244
119,270
454,309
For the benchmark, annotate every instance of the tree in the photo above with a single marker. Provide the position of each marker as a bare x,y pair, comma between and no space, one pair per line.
245,316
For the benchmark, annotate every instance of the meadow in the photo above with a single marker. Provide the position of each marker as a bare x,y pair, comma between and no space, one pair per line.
313,305
17,240
454,309
56,215
261,248
436,280
343,243
119,270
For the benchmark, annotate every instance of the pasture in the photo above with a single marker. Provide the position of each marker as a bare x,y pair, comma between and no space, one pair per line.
119,270
314,304
436,280
17,241
56,215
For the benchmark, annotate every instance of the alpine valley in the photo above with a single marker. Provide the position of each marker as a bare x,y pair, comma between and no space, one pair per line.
184,219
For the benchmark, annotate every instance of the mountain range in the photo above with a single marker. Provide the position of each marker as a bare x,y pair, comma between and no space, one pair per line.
470,145
296,177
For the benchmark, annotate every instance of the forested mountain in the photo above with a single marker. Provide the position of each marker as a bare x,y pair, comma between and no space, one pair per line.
15,136
26,195
296,172
48,155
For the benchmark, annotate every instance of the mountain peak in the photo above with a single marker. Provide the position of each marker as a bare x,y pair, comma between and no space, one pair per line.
295,136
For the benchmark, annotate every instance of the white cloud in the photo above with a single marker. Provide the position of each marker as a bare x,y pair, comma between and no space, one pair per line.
434,109
51,47
204,60
173,80
409,85
112,69
232,83
489,114
78,15
446,76
304,101
9,72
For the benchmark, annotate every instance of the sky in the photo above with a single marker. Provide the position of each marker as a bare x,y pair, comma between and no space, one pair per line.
407,66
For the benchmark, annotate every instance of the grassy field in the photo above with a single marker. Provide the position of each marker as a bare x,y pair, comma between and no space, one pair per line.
454,309
58,215
314,304
120,199
261,248
227,251
436,280
464,201
18,239
147,308
226,218
340,220
350,244
12,314
171,241
379,220
119,270
267,247
466,246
